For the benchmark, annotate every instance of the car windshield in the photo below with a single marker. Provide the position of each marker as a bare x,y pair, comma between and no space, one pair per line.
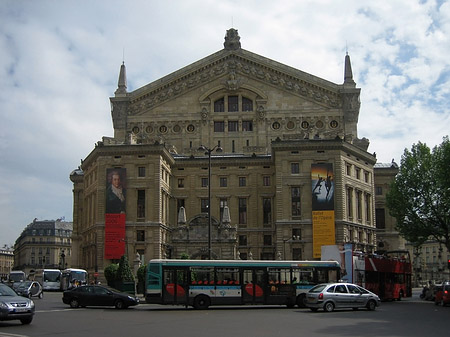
6,291
24,284
318,288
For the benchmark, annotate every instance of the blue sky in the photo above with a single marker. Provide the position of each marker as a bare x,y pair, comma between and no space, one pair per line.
59,64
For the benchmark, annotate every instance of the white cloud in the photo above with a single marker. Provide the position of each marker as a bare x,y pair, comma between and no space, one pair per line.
60,62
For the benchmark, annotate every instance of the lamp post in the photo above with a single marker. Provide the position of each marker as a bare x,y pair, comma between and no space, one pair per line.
208,152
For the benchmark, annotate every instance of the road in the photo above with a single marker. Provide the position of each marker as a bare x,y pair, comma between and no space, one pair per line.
409,317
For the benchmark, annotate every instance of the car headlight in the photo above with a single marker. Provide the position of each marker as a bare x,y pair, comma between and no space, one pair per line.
3,305
31,304
131,298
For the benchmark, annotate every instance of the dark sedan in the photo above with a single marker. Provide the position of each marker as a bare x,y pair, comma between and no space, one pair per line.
95,295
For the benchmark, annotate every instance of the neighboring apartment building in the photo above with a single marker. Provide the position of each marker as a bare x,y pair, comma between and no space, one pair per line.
43,244
292,174
6,262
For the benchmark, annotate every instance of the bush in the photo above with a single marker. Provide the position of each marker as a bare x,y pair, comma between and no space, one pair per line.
111,274
124,273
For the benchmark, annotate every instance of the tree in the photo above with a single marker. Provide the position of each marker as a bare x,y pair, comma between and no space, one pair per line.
419,197
124,273
111,273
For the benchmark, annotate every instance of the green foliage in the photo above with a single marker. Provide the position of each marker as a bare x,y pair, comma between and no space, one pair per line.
184,256
111,273
124,273
141,273
419,197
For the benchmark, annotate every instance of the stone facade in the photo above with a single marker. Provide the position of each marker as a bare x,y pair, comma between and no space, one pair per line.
272,123
44,244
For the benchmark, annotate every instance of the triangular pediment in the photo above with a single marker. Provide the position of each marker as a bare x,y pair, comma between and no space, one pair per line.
234,68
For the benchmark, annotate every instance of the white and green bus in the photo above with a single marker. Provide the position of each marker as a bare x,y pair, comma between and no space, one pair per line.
202,283
50,279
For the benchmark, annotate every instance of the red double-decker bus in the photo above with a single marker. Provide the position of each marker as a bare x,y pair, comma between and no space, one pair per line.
388,275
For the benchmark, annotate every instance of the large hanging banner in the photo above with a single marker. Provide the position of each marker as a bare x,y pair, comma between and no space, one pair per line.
322,181
115,213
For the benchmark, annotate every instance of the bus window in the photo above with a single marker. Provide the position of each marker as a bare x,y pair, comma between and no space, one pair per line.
202,276
227,276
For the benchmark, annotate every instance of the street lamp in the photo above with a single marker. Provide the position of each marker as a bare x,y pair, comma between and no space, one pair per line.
208,152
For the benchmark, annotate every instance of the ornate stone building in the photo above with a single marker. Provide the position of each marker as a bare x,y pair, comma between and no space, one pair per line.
290,158
43,244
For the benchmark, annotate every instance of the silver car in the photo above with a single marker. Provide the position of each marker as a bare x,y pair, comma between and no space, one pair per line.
13,306
329,296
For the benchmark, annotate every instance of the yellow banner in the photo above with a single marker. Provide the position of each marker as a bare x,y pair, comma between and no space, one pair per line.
323,231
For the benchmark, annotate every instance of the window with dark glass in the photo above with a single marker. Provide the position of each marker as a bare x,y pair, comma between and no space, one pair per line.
266,180
233,103
233,126
359,204
219,105
267,210
378,190
247,126
219,126
180,182
140,235
204,205
297,254
141,204
380,218
204,182
295,168
242,210
141,171
295,201
247,104
242,240
223,181
267,240
296,233
350,202
242,181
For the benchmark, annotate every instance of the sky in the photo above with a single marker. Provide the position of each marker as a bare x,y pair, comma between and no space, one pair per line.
60,61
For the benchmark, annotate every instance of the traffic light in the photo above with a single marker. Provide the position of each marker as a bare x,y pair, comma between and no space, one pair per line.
448,264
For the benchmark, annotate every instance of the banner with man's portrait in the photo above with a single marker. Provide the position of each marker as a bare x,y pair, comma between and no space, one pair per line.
115,213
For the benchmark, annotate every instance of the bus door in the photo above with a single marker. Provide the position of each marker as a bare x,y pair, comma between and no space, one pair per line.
279,289
253,286
175,288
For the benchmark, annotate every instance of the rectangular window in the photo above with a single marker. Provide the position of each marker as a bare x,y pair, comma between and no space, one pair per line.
140,235
233,126
295,201
350,203
242,181
141,171
204,205
223,182
242,240
367,207
219,126
297,254
359,204
380,218
180,182
219,105
204,182
242,210
378,190
266,180
349,169
267,210
141,204
233,103
267,240
247,125
358,173
366,177
296,234
295,168
247,104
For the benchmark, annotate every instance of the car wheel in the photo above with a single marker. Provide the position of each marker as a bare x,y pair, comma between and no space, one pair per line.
328,307
26,320
371,305
119,304
74,303
41,295
201,302
301,301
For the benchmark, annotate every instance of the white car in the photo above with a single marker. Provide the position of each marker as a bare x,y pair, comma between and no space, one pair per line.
330,296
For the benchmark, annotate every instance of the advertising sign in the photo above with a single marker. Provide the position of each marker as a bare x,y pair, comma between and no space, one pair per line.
322,182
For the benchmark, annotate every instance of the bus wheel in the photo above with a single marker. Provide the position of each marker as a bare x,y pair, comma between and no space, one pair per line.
201,302
301,301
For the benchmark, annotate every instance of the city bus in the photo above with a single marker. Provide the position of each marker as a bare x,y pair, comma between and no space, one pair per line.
72,277
201,283
388,275
50,279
